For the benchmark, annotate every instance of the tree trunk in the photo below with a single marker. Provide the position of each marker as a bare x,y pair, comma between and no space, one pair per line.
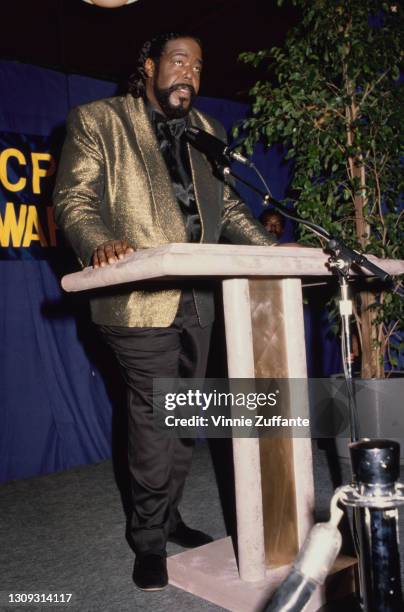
370,359
372,367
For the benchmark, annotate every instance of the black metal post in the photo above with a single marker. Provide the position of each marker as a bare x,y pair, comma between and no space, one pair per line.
376,470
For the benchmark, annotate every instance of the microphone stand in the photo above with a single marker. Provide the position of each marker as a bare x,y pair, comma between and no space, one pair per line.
340,262
372,571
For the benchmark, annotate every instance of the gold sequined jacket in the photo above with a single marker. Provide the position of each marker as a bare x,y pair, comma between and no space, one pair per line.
113,183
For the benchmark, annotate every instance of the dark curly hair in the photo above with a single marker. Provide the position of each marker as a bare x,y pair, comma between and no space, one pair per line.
152,48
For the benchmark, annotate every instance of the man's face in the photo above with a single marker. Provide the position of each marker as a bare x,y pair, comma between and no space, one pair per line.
173,82
273,223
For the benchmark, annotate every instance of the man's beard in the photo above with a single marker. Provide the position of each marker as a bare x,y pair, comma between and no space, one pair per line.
170,110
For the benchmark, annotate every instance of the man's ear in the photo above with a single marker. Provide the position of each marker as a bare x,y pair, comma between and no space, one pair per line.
149,67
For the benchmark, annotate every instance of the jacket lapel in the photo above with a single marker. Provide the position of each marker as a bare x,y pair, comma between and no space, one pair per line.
205,185
167,210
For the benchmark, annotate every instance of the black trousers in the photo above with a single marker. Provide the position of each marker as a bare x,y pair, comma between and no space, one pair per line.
158,464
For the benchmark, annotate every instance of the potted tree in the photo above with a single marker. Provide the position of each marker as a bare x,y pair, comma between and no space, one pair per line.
334,100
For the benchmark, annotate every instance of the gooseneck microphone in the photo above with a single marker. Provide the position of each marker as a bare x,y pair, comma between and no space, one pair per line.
214,148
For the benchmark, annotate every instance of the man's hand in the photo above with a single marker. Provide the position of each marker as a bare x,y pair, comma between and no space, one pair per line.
110,252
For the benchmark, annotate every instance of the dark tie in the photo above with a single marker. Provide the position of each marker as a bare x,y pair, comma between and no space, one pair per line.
169,129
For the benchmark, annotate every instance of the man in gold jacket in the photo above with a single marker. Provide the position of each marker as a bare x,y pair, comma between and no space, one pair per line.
128,180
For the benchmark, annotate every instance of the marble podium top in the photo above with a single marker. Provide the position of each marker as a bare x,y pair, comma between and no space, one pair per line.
214,260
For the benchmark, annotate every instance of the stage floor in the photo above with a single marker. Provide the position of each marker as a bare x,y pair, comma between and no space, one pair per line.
65,533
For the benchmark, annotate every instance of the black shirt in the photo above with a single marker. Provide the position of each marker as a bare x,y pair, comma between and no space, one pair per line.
173,146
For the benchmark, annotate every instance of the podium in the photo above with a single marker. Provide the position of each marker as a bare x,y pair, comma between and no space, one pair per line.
264,327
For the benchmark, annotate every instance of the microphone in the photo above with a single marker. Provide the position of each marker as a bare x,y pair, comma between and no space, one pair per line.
214,148
309,570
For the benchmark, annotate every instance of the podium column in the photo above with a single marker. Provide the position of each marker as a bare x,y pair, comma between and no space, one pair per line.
246,451
286,463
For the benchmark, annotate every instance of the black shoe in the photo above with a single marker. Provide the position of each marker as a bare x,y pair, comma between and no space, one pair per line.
187,537
150,572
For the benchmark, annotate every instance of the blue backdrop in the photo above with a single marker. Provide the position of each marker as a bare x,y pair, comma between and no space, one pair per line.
57,384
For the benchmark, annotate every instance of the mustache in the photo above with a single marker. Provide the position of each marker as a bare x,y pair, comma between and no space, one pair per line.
190,88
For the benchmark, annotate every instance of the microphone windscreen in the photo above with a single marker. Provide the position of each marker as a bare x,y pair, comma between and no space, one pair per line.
206,143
